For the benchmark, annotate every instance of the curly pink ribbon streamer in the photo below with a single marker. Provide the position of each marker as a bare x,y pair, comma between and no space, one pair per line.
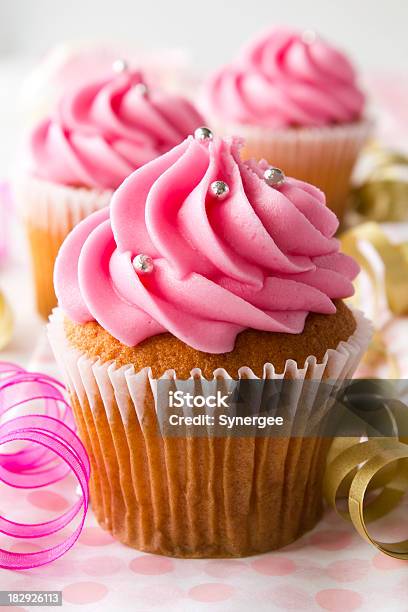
53,450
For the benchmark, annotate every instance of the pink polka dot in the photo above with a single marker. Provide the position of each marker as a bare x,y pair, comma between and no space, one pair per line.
151,565
331,540
48,500
349,570
95,536
273,566
224,568
384,562
338,600
102,566
211,592
287,597
13,609
84,592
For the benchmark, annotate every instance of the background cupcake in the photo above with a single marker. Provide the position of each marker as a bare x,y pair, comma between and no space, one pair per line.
100,132
296,100
203,269
68,63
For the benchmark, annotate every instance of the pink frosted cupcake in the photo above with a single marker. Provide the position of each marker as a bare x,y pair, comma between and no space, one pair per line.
99,133
296,101
200,273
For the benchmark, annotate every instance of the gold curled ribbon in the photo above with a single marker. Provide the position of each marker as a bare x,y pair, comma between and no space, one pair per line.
394,258
363,466
6,322
389,497
375,455
383,195
340,445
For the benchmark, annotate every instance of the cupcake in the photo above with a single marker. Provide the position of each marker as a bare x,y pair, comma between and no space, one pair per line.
67,64
100,132
296,101
204,271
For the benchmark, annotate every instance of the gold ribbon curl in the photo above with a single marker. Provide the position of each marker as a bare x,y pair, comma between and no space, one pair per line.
363,462
6,322
383,196
355,468
395,261
394,258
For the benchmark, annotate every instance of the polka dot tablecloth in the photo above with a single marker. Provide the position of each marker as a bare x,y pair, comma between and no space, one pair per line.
330,568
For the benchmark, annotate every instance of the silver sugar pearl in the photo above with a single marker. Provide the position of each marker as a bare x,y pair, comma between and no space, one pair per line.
219,189
308,37
119,66
143,264
141,89
203,133
274,176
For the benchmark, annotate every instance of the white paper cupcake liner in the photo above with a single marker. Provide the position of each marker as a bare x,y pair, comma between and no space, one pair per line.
49,212
198,496
54,207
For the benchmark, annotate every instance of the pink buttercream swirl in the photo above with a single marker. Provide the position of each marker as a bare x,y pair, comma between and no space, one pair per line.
283,79
102,131
261,258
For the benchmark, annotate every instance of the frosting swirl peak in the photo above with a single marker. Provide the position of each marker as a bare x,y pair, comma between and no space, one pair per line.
103,130
262,257
285,78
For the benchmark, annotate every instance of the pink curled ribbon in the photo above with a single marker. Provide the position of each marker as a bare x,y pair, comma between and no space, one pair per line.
53,450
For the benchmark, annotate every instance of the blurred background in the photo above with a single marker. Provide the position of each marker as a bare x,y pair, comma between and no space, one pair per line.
374,32
203,35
